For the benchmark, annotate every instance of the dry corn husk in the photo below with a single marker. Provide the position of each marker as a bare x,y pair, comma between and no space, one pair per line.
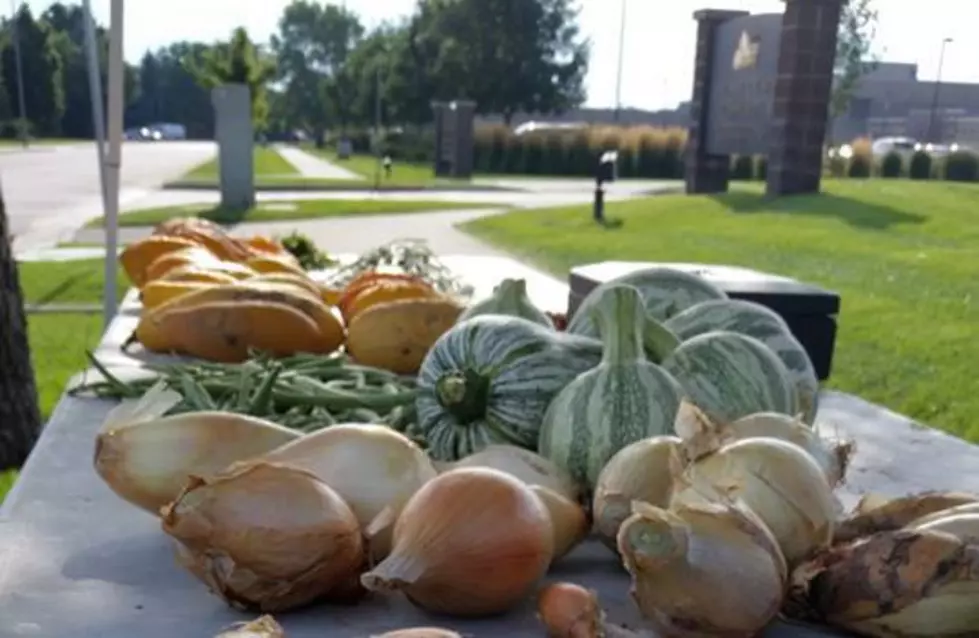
895,584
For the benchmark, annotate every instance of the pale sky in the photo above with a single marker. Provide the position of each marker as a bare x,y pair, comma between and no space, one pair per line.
659,40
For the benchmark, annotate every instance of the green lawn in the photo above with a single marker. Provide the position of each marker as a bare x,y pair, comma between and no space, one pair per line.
903,256
58,341
402,173
48,141
268,163
290,210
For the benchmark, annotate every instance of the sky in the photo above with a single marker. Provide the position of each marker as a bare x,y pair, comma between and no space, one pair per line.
658,44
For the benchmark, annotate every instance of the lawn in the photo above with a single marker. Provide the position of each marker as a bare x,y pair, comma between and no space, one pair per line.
58,341
268,163
402,173
290,210
901,254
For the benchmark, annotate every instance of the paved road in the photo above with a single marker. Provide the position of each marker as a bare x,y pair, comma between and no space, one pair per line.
51,191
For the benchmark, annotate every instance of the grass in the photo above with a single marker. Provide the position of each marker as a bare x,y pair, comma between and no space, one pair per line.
48,141
289,210
402,173
58,341
268,163
901,254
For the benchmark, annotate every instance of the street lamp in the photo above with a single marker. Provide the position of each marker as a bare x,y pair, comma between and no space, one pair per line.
938,87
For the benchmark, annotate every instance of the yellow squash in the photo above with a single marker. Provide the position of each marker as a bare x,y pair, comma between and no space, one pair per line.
200,257
383,292
159,292
301,282
137,257
266,263
197,274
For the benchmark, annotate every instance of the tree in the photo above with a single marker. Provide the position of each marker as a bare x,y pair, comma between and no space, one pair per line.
858,26
20,417
236,62
169,93
42,72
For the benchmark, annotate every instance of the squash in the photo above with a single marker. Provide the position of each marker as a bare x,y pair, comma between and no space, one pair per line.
397,335
509,298
382,292
490,379
665,292
755,320
726,374
626,398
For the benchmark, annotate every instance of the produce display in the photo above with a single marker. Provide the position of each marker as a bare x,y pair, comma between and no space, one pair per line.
449,453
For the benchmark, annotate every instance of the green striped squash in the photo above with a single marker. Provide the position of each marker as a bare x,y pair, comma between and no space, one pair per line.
489,380
509,298
755,320
625,399
665,293
730,375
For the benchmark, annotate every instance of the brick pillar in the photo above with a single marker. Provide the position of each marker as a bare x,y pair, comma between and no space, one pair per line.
705,173
800,114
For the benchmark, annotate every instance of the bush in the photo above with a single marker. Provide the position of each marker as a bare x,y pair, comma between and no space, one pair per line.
920,166
836,166
761,168
892,165
962,166
742,167
860,166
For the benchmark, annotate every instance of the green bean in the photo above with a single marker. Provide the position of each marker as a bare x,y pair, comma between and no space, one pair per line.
195,393
340,400
262,402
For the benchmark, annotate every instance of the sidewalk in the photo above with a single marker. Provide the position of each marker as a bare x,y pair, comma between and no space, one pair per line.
311,166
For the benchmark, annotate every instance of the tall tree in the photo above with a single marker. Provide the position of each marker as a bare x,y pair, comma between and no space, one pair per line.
42,72
20,417
169,93
236,62
858,26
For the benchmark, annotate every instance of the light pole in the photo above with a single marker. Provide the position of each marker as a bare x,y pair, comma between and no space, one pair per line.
618,79
22,129
938,87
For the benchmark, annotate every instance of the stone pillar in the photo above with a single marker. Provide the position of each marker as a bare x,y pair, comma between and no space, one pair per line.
705,173
464,119
441,161
235,138
800,114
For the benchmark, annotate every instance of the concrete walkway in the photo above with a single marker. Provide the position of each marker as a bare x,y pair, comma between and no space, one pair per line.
309,165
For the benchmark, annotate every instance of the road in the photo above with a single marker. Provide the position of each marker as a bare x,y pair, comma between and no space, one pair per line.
50,191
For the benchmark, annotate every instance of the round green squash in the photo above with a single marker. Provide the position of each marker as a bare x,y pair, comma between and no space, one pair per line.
624,399
509,298
665,292
490,379
755,320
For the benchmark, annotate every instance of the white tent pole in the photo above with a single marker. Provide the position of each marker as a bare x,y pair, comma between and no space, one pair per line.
114,157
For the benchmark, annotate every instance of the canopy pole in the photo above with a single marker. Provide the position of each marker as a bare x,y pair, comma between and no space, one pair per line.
114,158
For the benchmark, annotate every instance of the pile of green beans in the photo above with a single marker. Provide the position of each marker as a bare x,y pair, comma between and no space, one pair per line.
305,392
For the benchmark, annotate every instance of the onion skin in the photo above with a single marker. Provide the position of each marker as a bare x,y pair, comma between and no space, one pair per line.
531,468
873,516
264,627
420,632
896,583
471,542
568,610
569,521
267,537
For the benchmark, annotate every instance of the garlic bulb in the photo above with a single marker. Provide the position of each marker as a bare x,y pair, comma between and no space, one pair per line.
569,522
146,458
641,471
269,537
777,480
876,513
264,627
471,542
373,468
531,468
703,570
898,583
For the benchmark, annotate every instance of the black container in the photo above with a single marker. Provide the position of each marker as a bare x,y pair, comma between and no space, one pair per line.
809,310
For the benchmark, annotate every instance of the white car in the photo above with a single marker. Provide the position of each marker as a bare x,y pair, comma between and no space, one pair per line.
903,146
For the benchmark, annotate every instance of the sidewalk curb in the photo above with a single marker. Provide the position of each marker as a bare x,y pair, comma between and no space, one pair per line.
366,188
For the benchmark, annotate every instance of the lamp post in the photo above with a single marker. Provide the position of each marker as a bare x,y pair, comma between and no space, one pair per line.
18,61
618,79
938,87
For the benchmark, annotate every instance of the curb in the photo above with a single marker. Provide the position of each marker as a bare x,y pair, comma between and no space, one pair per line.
346,188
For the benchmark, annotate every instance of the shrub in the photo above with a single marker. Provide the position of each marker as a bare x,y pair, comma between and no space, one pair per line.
860,166
962,166
742,167
836,166
761,168
892,165
920,166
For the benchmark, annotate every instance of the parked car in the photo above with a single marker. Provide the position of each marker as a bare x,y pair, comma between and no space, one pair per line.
903,146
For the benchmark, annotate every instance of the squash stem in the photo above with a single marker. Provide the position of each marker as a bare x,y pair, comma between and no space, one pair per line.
620,317
658,340
463,394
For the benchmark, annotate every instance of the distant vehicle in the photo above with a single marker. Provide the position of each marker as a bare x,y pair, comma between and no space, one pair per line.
169,131
533,127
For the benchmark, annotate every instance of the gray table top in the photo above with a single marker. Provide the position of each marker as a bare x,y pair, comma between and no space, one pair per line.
75,560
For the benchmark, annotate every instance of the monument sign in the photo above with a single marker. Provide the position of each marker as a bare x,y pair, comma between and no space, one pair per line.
454,138
762,85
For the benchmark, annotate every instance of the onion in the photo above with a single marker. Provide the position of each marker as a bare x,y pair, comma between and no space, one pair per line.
571,611
964,526
146,458
264,627
372,467
420,632
471,542
531,468
266,536
778,481
876,513
569,522
703,570
896,583
641,471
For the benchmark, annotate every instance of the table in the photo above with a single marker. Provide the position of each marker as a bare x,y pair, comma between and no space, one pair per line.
75,560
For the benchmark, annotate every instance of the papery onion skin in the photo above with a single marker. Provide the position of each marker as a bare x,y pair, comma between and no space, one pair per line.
148,463
879,514
899,583
266,537
776,480
531,468
964,527
640,471
568,610
471,542
371,467
264,627
703,571
420,632
569,521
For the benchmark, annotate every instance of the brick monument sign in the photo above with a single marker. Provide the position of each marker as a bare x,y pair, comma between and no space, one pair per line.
762,85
